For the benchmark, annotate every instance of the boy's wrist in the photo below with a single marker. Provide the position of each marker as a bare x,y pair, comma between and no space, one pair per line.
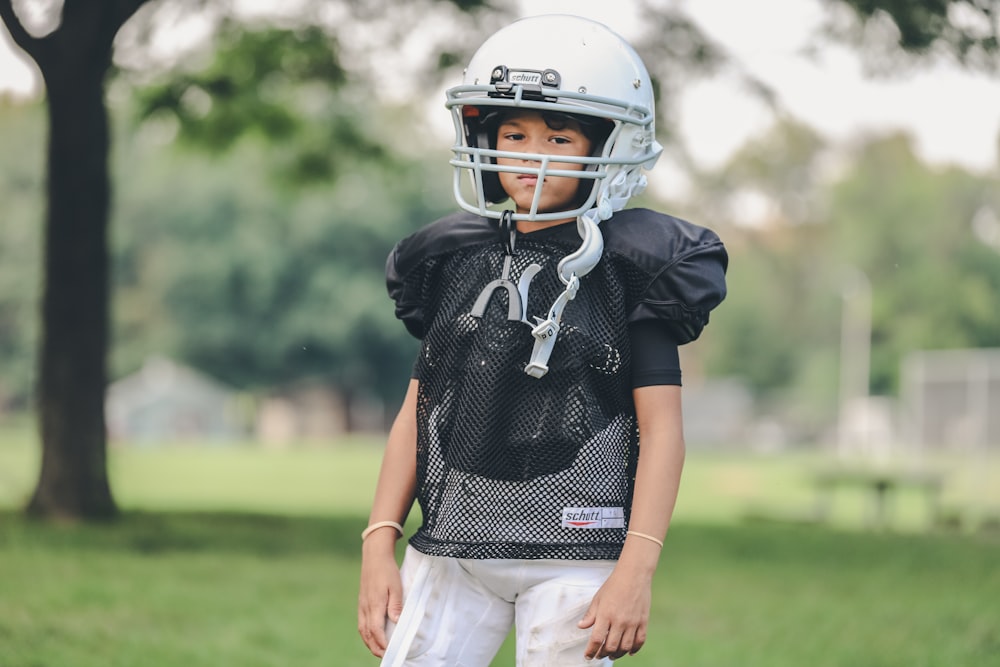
639,557
380,541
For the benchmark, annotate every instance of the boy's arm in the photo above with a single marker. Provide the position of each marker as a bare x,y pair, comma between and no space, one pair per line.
619,614
381,593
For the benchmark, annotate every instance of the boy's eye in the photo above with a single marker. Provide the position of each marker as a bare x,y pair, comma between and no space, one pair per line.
561,140
513,136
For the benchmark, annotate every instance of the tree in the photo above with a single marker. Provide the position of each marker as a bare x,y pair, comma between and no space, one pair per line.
967,30
74,60
21,165
263,287
777,331
907,226
332,186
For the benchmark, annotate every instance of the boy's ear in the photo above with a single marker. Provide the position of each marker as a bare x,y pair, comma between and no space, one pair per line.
492,190
481,129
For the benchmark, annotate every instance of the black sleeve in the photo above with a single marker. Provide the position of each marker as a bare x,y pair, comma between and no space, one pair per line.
655,359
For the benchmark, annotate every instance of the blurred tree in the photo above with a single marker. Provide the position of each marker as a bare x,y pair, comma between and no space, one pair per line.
21,132
775,331
908,227
968,30
262,287
333,187
776,178
74,59
278,84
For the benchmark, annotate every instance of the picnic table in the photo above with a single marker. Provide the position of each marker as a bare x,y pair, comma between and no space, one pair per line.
881,486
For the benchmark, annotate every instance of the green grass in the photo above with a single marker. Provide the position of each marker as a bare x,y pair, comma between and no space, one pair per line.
244,557
191,589
178,589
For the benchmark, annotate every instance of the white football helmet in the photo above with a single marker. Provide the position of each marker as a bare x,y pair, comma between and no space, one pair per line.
565,64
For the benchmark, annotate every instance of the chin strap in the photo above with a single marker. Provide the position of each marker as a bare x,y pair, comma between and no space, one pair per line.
571,268
545,331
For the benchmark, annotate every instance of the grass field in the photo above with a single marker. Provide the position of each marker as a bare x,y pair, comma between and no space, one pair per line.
244,557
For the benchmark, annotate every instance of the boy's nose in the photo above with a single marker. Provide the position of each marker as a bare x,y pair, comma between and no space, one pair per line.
535,146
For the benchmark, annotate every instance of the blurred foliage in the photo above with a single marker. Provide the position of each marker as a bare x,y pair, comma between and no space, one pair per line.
260,187
904,224
261,286
908,227
967,30
21,186
778,329
278,79
280,84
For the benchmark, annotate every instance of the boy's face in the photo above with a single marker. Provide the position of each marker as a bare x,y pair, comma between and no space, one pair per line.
527,132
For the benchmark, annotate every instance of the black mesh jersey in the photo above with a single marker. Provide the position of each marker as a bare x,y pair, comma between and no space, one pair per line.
512,466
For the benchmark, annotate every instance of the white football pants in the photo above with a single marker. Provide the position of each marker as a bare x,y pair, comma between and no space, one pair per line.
457,612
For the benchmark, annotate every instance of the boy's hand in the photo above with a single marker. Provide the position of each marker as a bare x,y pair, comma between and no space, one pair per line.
381,594
618,615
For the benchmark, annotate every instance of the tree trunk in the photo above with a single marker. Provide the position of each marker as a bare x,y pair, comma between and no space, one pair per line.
74,60
73,482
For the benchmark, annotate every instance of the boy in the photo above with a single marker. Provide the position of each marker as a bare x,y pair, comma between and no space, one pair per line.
544,361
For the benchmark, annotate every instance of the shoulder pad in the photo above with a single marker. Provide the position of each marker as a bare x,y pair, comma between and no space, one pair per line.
406,265
682,268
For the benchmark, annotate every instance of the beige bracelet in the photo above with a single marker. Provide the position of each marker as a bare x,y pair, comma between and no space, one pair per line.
644,536
380,524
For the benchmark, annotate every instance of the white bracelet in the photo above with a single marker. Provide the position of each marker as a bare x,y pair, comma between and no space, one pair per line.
645,537
380,524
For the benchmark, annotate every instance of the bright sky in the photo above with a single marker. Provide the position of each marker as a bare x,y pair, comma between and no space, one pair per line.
953,115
